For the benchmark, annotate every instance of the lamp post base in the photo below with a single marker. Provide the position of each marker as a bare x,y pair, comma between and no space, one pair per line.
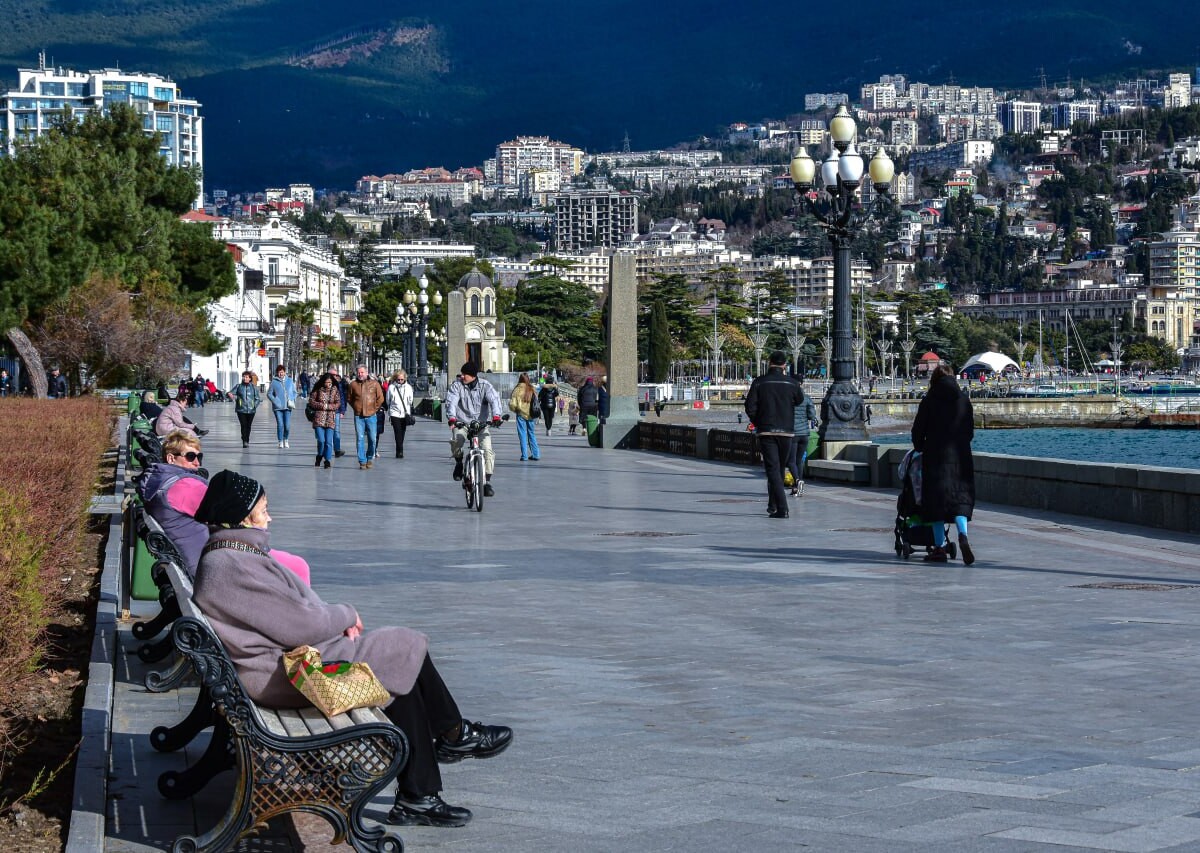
843,414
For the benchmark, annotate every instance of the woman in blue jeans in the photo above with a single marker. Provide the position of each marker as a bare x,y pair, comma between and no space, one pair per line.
522,402
325,399
282,395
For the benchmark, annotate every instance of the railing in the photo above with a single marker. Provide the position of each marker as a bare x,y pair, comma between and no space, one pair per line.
282,282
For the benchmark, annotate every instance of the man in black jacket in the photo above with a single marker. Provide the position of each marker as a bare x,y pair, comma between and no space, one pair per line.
771,406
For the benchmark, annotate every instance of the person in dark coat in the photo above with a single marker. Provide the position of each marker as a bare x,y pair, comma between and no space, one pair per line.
589,401
771,406
547,399
942,433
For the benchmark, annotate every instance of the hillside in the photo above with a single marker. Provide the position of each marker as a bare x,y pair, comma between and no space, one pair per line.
304,90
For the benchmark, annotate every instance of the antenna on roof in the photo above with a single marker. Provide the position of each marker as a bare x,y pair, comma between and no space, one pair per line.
41,60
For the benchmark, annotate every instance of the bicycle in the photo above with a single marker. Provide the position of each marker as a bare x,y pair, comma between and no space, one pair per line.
474,473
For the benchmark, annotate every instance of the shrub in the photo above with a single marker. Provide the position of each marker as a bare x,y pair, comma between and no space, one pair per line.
52,454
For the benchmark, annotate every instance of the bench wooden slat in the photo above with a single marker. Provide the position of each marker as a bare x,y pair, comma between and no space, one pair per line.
319,724
290,719
368,715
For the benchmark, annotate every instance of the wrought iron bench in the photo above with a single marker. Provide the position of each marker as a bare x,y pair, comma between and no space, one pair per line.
286,760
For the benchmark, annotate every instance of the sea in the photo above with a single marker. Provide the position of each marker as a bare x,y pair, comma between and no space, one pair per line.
1170,448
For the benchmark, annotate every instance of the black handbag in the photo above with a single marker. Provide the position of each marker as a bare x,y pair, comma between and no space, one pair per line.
410,420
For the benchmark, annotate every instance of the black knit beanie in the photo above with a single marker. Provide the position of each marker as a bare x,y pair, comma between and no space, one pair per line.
229,499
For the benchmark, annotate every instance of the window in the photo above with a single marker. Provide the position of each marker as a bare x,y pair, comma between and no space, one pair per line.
139,90
164,124
49,88
162,93
76,90
475,305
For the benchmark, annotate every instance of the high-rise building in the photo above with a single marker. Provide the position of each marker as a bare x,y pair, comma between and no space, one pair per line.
1020,116
42,95
593,219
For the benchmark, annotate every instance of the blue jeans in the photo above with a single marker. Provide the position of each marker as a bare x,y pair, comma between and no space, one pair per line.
283,423
337,433
527,435
325,441
364,431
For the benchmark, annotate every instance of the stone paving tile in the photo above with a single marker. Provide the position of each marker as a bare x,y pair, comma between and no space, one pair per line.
749,683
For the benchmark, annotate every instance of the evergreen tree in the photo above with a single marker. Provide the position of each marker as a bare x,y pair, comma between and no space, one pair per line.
660,344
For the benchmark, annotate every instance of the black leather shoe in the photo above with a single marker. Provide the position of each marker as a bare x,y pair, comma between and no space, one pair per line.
431,810
201,431
458,470
475,741
339,453
488,491
778,514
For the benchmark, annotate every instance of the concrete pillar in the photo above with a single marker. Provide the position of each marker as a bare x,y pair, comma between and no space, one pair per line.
456,333
622,351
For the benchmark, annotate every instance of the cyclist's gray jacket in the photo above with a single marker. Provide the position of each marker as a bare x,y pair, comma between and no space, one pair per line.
477,402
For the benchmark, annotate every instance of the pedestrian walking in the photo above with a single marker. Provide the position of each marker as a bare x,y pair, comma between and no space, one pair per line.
305,383
282,394
804,420
771,406
400,408
602,399
56,388
344,388
245,404
572,417
365,397
942,432
521,403
548,399
6,383
325,400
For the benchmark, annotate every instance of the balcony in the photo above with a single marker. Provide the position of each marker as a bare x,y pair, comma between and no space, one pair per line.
255,325
349,317
282,283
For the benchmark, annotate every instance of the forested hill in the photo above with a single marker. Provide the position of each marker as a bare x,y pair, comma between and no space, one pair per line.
324,92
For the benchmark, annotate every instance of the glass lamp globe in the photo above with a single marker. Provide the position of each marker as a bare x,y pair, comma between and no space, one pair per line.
803,169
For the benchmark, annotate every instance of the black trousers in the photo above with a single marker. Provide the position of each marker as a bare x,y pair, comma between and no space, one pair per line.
399,427
774,453
548,416
796,451
426,711
246,419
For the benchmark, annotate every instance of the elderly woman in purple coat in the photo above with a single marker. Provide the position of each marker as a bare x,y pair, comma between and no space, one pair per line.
260,610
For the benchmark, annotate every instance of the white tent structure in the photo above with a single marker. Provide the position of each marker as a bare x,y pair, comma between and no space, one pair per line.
991,362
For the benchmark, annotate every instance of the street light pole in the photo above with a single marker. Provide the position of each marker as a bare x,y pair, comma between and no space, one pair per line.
842,412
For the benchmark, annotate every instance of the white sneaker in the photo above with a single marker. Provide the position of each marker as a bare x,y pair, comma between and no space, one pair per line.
285,443
281,444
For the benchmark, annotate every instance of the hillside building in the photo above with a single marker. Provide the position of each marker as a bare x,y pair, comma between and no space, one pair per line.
42,94
519,156
594,219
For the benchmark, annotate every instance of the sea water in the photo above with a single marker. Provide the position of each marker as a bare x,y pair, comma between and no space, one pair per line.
1170,448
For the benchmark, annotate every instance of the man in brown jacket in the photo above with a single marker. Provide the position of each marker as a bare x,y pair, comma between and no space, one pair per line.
365,397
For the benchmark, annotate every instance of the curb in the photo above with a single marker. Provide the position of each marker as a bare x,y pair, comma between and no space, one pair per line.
89,800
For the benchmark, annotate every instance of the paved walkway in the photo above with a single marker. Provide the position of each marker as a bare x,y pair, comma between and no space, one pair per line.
684,673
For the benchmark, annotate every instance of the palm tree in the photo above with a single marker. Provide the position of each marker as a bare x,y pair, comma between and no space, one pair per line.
298,320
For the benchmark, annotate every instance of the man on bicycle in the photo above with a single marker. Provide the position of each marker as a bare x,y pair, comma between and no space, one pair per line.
470,398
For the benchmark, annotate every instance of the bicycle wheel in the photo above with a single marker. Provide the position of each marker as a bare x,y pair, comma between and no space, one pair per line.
468,486
477,480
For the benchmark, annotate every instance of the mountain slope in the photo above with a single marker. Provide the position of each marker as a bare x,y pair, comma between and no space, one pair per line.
384,86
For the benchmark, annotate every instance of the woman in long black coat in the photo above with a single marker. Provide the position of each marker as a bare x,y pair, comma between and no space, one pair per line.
942,432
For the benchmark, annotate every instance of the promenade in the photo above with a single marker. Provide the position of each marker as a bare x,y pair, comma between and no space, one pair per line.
684,673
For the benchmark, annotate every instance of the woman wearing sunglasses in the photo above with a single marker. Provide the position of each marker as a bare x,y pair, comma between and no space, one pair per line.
173,488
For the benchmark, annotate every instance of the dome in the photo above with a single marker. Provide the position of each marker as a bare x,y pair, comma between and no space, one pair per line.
474,279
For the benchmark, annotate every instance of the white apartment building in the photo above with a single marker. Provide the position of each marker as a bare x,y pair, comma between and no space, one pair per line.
396,258
613,159
594,219
951,155
1065,115
275,266
518,156
42,94
822,100
1020,116
904,133
590,269
1178,91
878,96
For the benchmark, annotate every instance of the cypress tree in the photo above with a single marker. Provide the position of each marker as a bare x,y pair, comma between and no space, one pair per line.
660,344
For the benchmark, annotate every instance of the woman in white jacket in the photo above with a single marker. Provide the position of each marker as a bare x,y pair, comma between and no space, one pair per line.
399,408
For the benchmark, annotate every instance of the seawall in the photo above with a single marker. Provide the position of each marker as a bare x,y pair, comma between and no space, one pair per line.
1167,498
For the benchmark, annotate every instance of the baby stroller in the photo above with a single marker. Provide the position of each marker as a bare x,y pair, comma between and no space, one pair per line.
911,532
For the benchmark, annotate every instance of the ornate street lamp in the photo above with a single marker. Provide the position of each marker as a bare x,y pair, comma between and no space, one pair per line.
839,212
418,307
